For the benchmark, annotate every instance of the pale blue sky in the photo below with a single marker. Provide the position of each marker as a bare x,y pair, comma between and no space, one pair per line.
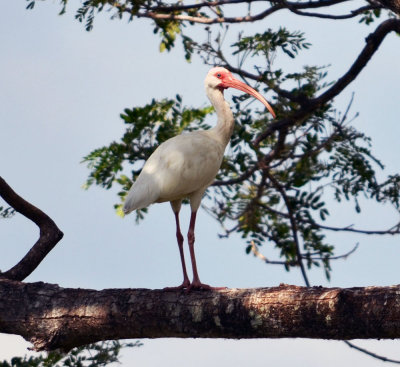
61,92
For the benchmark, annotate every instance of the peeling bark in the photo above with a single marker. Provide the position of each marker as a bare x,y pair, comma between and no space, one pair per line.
52,317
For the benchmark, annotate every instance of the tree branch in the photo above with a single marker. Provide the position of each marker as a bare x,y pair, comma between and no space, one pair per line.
50,235
352,14
51,317
206,4
207,20
371,354
174,11
373,42
236,180
293,225
393,5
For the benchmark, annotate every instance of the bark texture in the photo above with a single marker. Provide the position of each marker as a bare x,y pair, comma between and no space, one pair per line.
393,5
52,317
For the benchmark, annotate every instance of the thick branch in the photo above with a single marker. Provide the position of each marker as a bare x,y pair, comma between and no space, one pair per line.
49,234
52,317
373,41
393,5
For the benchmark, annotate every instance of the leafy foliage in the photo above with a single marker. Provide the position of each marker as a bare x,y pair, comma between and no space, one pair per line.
93,355
6,212
275,191
370,16
147,127
269,41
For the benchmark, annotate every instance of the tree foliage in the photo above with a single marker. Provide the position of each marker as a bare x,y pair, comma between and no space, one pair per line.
277,182
280,176
93,355
6,212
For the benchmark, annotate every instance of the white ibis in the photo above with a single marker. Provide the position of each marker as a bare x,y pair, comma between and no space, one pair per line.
185,165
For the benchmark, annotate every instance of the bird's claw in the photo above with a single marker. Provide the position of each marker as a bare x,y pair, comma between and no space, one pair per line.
203,287
197,286
184,285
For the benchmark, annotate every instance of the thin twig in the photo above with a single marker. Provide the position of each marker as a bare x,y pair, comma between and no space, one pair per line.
352,14
339,257
392,230
293,223
374,355
258,254
236,180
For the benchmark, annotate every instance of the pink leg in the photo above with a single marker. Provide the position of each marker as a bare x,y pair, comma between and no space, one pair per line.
196,284
179,238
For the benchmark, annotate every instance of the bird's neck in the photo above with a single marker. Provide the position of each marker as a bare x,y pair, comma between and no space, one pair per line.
225,124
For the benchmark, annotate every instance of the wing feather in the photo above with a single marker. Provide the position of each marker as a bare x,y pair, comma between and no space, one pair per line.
178,168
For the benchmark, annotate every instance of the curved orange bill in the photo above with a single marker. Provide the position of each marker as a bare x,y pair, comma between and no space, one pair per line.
237,84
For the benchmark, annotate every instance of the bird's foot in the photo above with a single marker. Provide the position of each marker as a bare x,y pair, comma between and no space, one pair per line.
203,287
184,285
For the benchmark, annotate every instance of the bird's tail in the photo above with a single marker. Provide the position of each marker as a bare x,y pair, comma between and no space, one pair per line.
142,193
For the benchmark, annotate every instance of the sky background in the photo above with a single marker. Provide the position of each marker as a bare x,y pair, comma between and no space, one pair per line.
61,92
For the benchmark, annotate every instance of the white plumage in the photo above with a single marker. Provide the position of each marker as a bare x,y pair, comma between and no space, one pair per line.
173,172
185,165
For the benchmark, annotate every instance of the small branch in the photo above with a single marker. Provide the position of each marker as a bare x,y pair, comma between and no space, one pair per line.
374,355
352,14
239,179
277,149
260,78
258,254
50,235
293,224
343,256
391,231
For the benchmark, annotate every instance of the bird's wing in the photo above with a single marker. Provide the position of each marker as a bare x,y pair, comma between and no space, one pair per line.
187,163
179,167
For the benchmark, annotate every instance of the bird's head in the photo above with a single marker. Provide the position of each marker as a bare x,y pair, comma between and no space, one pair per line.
221,78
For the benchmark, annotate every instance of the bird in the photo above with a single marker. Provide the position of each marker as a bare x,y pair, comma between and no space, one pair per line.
185,165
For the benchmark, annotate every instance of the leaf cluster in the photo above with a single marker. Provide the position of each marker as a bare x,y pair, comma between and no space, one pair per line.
278,192
6,212
146,128
92,355
269,41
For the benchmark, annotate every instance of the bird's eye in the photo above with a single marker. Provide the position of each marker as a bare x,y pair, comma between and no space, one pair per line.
219,75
